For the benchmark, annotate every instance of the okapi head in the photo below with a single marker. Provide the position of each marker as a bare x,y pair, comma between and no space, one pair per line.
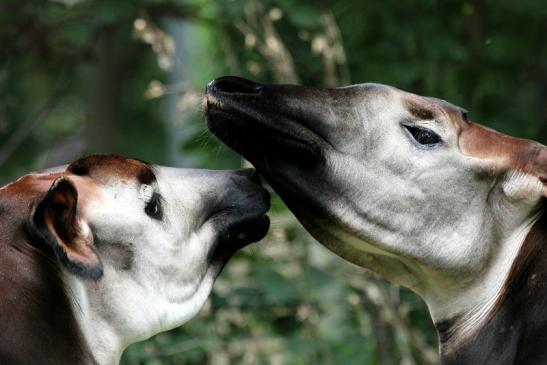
408,187
110,251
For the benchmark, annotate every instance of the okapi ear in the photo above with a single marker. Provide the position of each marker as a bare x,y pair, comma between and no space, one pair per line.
525,180
56,222
522,162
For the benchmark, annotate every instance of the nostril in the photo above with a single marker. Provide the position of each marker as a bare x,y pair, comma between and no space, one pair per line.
232,84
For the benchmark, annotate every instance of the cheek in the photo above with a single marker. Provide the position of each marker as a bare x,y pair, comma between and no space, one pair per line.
180,222
452,194
166,245
185,211
172,264
115,221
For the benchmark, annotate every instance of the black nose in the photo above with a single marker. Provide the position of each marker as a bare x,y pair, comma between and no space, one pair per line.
234,85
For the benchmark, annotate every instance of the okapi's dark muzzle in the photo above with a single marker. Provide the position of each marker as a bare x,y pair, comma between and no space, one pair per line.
259,121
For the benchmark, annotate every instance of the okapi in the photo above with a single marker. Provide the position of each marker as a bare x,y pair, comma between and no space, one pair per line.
110,251
408,187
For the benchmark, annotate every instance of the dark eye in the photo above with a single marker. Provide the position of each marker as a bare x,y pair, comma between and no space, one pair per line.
153,207
423,136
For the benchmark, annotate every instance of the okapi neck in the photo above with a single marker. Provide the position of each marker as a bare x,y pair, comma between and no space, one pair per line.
37,323
516,329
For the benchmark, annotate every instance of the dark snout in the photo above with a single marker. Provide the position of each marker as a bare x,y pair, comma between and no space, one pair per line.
234,204
239,208
290,133
273,121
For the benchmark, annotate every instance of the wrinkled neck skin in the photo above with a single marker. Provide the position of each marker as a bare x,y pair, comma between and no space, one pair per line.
123,308
476,313
150,295
460,311
470,305
108,337
467,278
506,322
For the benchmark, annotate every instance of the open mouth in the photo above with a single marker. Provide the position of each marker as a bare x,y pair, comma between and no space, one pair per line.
234,112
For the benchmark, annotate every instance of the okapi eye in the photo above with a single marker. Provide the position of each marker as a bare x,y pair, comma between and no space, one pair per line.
423,136
153,207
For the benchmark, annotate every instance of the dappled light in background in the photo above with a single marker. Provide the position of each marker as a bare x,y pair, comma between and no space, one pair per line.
80,77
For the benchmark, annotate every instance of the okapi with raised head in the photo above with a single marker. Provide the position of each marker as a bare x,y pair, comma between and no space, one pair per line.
111,251
408,187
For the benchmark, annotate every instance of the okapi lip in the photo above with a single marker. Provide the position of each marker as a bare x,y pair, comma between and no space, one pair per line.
239,223
236,237
253,137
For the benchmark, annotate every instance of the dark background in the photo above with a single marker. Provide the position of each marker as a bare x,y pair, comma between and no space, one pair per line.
126,77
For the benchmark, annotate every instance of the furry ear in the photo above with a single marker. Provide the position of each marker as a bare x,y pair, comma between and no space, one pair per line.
56,222
524,188
529,182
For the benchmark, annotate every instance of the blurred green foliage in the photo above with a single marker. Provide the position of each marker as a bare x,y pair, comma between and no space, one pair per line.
82,76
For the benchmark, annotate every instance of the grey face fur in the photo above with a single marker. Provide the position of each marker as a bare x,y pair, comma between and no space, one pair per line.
381,177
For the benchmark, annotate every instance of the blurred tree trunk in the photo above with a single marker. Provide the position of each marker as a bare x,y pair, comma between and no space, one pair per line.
115,57
473,36
542,137
382,333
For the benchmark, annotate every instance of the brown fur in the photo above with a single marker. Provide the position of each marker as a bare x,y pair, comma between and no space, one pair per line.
36,321
37,325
